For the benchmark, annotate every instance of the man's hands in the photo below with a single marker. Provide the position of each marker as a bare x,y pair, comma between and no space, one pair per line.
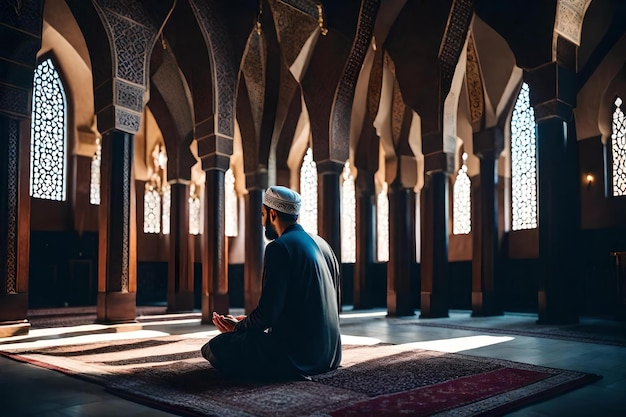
227,323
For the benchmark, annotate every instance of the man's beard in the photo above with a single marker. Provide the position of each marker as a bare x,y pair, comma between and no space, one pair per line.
270,231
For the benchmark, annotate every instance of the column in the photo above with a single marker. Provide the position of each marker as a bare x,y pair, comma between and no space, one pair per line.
552,95
365,238
329,208
434,262
401,249
180,278
14,225
488,145
117,257
214,250
256,184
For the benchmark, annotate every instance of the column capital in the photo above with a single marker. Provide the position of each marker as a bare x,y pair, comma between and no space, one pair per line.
489,143
439,162
553,89
329,167
257,180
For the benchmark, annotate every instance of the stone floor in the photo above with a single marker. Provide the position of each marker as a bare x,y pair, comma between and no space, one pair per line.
27,390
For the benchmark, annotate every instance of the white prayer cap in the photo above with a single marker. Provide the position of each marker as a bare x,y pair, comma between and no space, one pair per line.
282,199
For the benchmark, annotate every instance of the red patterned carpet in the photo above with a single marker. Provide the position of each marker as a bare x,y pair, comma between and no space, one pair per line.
380,380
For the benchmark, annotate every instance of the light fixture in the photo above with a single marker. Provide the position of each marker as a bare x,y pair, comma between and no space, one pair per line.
590,180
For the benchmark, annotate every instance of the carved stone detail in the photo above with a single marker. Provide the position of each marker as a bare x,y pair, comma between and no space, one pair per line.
127,121
474,82
130,96
453,40
304,6
569,19
14,100
293,28
375,85
23,15
222,63
342,108
12,194
253,69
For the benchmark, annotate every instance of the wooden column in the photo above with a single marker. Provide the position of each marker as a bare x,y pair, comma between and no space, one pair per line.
14,225
117,256
434,262
255,244
214,251
401,250
488,145
180,278
365,235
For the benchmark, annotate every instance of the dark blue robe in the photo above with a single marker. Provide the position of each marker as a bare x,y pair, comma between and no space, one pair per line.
294,330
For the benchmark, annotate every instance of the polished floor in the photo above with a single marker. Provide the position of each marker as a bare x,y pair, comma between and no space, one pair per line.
27,390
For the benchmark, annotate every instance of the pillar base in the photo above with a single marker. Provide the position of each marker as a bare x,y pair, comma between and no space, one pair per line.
432,306
554,310
180,302
399,306
484,304
116,307
13,307
14,328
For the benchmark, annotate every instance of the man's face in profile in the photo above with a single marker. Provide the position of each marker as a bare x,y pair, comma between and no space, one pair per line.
270,230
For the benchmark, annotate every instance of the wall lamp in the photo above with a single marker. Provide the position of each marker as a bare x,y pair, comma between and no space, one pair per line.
590,179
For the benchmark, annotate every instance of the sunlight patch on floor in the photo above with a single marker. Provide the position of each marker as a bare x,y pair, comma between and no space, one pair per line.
75,340
457,344
347,339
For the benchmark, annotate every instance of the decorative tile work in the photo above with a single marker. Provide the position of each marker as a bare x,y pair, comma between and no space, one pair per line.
222,63
254,73
126,179
375,85
12,192
342,108
453,41
474,82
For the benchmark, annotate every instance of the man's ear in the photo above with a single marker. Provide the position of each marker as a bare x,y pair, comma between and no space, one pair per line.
272,214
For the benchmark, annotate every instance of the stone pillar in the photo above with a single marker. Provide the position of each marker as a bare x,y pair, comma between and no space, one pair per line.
329,207
180,278
117,258
365,238
401,249
14,225
214,251
256,184
553,95
488,144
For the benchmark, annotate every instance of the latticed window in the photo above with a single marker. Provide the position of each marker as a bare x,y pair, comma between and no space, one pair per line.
48,150
308,192
195,210
348,213
462,204
151,210
618,149
94,186
523,163
230,204
382,225
157,195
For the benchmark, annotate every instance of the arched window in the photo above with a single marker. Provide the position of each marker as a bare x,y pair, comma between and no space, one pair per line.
462,204
523,163
348,213
308,192
382,225
230,204
94,186
151,209
195,209
618,150
48,150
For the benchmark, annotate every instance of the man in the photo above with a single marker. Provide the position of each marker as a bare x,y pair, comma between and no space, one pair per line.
294,331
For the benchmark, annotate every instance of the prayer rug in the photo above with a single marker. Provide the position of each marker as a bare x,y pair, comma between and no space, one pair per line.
379,380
